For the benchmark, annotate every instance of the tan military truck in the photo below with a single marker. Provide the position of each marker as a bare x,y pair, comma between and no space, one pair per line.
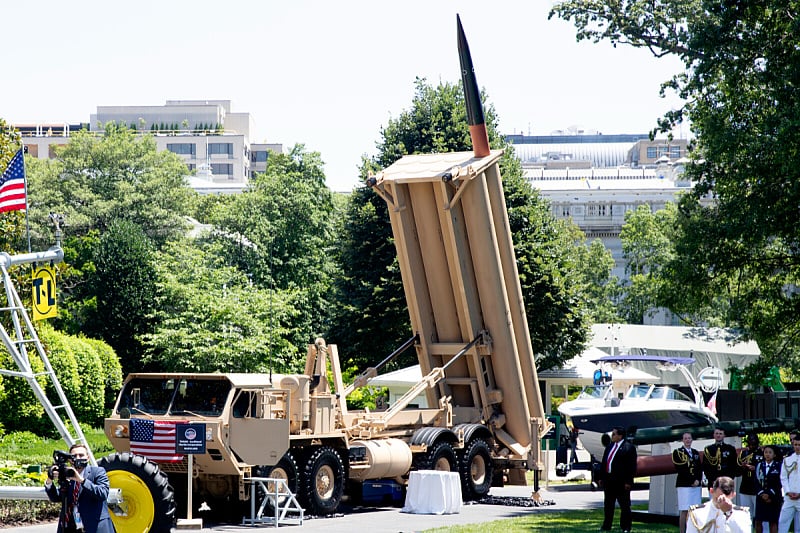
452,235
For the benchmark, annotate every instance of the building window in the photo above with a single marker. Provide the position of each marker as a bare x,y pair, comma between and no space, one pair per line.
221,148
651,152
259,156
222,169
674,152
182,148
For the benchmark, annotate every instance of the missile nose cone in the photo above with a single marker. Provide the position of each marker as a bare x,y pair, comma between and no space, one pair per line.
472,96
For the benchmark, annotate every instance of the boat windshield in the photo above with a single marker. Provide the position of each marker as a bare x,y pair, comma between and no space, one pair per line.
672,394
639,391
650,392
594,392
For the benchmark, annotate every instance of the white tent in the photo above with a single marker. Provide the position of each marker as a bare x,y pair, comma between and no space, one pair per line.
717,347
399,382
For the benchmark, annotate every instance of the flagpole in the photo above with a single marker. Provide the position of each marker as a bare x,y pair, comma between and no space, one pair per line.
25,181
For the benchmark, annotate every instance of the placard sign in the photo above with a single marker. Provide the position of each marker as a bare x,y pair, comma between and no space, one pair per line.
190,439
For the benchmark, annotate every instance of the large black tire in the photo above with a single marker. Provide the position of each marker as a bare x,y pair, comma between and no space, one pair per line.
440,456
146,492
323,481
287,470
475,468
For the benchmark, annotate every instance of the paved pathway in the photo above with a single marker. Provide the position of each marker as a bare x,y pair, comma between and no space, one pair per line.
391,519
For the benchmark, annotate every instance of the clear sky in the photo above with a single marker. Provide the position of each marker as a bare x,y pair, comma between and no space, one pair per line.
325,74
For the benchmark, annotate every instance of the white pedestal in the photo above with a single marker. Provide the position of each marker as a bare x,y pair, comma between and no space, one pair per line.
433,492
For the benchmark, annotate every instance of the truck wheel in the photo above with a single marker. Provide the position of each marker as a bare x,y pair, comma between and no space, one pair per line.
286,469
475,469
148,498
323,481
438,457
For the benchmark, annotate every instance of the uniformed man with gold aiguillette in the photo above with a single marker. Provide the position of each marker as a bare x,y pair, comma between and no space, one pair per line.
719,459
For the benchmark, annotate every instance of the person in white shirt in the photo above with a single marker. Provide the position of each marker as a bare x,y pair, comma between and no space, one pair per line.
719,514
790,482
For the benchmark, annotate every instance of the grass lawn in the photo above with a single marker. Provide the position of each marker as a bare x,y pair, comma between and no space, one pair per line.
553,522
578,521
25,448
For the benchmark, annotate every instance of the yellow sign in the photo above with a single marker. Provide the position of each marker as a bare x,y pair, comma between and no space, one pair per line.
44,293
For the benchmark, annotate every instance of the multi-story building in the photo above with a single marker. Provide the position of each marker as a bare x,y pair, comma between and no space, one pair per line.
214,142
595,179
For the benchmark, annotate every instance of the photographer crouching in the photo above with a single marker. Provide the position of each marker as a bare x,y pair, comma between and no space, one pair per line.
82,490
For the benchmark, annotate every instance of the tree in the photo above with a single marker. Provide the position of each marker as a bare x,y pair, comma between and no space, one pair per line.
280,233
372,318
647,247
210,318
602,289
124,285
740,88
96,180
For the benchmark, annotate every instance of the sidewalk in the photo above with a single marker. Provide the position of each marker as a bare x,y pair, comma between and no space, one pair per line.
379,519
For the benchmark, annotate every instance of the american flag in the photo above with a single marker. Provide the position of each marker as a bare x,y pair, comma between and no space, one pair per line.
712,404
155,439
12,185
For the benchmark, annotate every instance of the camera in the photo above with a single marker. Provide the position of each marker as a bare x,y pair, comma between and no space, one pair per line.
61,462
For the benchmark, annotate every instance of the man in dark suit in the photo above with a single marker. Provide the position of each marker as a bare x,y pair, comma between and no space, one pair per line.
84,508
616,478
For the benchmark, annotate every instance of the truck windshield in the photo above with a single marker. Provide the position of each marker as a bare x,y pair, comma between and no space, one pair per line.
179,396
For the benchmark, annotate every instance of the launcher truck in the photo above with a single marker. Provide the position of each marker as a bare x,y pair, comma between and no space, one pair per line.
452,235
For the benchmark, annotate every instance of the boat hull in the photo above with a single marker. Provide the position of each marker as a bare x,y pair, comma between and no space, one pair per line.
593,425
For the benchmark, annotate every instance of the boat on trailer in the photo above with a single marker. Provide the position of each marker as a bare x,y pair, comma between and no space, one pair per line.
600,407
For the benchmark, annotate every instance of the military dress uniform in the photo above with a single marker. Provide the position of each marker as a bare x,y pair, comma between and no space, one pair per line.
687,465
708,518
790,482
719,460
749,484
769,483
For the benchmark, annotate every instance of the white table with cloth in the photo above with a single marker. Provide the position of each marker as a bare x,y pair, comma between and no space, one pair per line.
433,492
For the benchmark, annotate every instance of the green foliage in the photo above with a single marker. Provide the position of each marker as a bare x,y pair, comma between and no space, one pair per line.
210,318
601,289
549,522
738,231
371,316
119,176
280,233
647,246
547,260
124,283
81,372
19,407
111,371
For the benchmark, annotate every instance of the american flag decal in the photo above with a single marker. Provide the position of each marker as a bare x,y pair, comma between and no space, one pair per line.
155,439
